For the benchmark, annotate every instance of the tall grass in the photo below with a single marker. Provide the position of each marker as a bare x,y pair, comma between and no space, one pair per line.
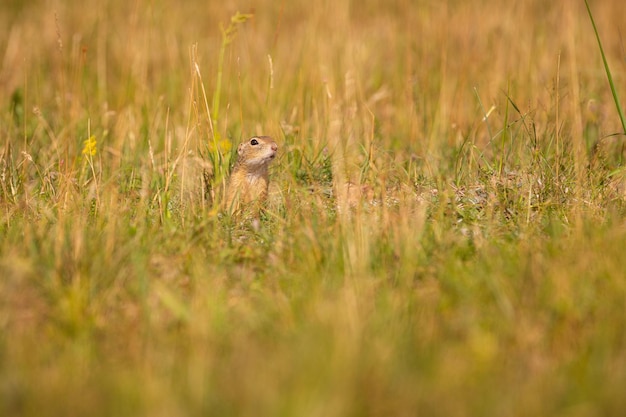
443,234
609,76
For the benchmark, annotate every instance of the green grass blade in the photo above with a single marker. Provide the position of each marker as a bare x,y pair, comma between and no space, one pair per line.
607,69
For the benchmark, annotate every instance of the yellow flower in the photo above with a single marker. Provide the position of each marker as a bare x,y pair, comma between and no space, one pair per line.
89,146
223,144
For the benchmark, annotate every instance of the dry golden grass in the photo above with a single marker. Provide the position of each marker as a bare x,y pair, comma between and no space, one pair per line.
443,236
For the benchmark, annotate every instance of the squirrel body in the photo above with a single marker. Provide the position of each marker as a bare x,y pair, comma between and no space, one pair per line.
249,179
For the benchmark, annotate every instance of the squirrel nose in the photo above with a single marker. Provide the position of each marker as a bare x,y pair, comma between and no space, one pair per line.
274,147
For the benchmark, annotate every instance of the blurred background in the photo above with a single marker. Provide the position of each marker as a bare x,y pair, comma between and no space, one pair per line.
414,63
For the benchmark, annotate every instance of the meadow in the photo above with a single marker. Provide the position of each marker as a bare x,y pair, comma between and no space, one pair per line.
444,234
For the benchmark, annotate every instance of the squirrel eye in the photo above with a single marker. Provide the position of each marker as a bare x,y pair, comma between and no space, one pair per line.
254,142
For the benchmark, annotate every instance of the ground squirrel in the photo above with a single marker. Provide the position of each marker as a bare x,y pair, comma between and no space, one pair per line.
249,180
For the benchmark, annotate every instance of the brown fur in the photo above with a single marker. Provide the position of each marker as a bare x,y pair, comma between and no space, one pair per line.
249,180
